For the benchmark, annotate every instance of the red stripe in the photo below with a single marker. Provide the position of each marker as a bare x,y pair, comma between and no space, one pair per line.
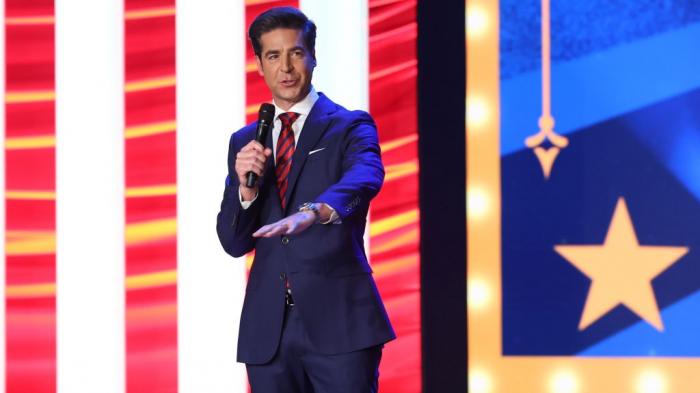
30,322
151,349
286,154
283,191
287,119
392,89
285,140
282,175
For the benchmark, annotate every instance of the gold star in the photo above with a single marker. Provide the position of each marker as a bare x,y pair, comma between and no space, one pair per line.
621,271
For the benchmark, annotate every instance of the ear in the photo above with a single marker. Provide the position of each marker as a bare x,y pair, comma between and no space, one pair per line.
258,62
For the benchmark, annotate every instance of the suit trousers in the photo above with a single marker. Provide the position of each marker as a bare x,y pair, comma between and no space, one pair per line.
296,368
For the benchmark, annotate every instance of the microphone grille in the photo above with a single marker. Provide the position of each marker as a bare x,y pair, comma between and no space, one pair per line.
266,113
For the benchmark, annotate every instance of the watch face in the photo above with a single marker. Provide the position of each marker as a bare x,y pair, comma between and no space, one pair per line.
308,206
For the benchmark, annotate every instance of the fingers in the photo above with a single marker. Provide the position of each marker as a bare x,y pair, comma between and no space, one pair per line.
246,164
253,145
291,225
251,158
243,169
261,232
277,230
274,229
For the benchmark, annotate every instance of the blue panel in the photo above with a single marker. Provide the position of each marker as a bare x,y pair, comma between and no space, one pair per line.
679,338
626,91
676,144
582,27
543,294
603,85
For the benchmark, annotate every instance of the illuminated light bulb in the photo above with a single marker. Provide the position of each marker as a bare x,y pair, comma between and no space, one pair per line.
478,294
651,382
479,382
477,22
477,112
564,382
477,203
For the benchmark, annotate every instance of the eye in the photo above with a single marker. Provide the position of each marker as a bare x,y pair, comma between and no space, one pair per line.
273,56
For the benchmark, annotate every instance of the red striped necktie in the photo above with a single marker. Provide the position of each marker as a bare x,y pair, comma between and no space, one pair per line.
285,151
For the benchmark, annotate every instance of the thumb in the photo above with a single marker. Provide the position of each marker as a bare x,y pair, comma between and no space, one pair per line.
268,152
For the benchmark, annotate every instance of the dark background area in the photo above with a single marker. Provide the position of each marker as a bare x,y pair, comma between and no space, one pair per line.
441,124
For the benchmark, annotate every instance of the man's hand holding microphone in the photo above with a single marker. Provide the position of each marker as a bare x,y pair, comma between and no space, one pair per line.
251,159
250,165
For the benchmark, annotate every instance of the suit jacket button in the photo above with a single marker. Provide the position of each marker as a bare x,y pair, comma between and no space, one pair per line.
285,240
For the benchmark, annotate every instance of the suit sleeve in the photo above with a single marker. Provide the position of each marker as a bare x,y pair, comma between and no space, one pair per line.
235,225
363,172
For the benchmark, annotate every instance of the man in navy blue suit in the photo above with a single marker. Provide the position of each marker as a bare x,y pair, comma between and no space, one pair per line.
312,319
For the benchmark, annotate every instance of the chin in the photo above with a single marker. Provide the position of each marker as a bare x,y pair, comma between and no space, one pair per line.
292,97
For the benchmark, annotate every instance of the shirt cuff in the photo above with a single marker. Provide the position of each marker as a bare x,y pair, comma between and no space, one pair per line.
334,218
246,204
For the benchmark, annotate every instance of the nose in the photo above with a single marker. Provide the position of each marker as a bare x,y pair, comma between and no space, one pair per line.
286,64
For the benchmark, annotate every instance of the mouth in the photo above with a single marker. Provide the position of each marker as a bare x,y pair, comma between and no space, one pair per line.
288,82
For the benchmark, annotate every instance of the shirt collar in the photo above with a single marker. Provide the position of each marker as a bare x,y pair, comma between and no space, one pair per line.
302,107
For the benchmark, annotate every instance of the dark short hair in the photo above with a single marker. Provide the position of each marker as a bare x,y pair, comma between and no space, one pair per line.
282,18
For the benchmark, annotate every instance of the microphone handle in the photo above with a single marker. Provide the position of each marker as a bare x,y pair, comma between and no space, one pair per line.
261,135
252,178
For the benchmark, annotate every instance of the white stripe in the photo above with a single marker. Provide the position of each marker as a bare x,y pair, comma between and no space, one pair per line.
2,204
341,50
90,196
210,105
342,53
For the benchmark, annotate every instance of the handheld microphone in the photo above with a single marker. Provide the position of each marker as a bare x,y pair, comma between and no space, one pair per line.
266,115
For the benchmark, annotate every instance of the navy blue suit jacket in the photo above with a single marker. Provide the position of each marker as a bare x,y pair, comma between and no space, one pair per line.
326,265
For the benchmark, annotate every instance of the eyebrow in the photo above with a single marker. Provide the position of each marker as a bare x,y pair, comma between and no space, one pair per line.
277,51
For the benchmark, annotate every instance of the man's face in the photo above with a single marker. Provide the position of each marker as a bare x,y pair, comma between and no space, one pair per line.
287,66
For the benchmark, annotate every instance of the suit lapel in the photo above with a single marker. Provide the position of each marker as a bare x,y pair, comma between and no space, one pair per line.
314,127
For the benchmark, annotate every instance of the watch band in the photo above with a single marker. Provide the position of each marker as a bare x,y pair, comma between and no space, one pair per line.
312,207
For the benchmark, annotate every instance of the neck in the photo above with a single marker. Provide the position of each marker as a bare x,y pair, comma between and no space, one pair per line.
286,105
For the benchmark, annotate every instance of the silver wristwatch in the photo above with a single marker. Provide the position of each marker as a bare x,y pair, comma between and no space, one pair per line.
312,207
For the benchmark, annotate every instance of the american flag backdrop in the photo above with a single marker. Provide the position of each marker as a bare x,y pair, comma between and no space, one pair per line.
116,120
